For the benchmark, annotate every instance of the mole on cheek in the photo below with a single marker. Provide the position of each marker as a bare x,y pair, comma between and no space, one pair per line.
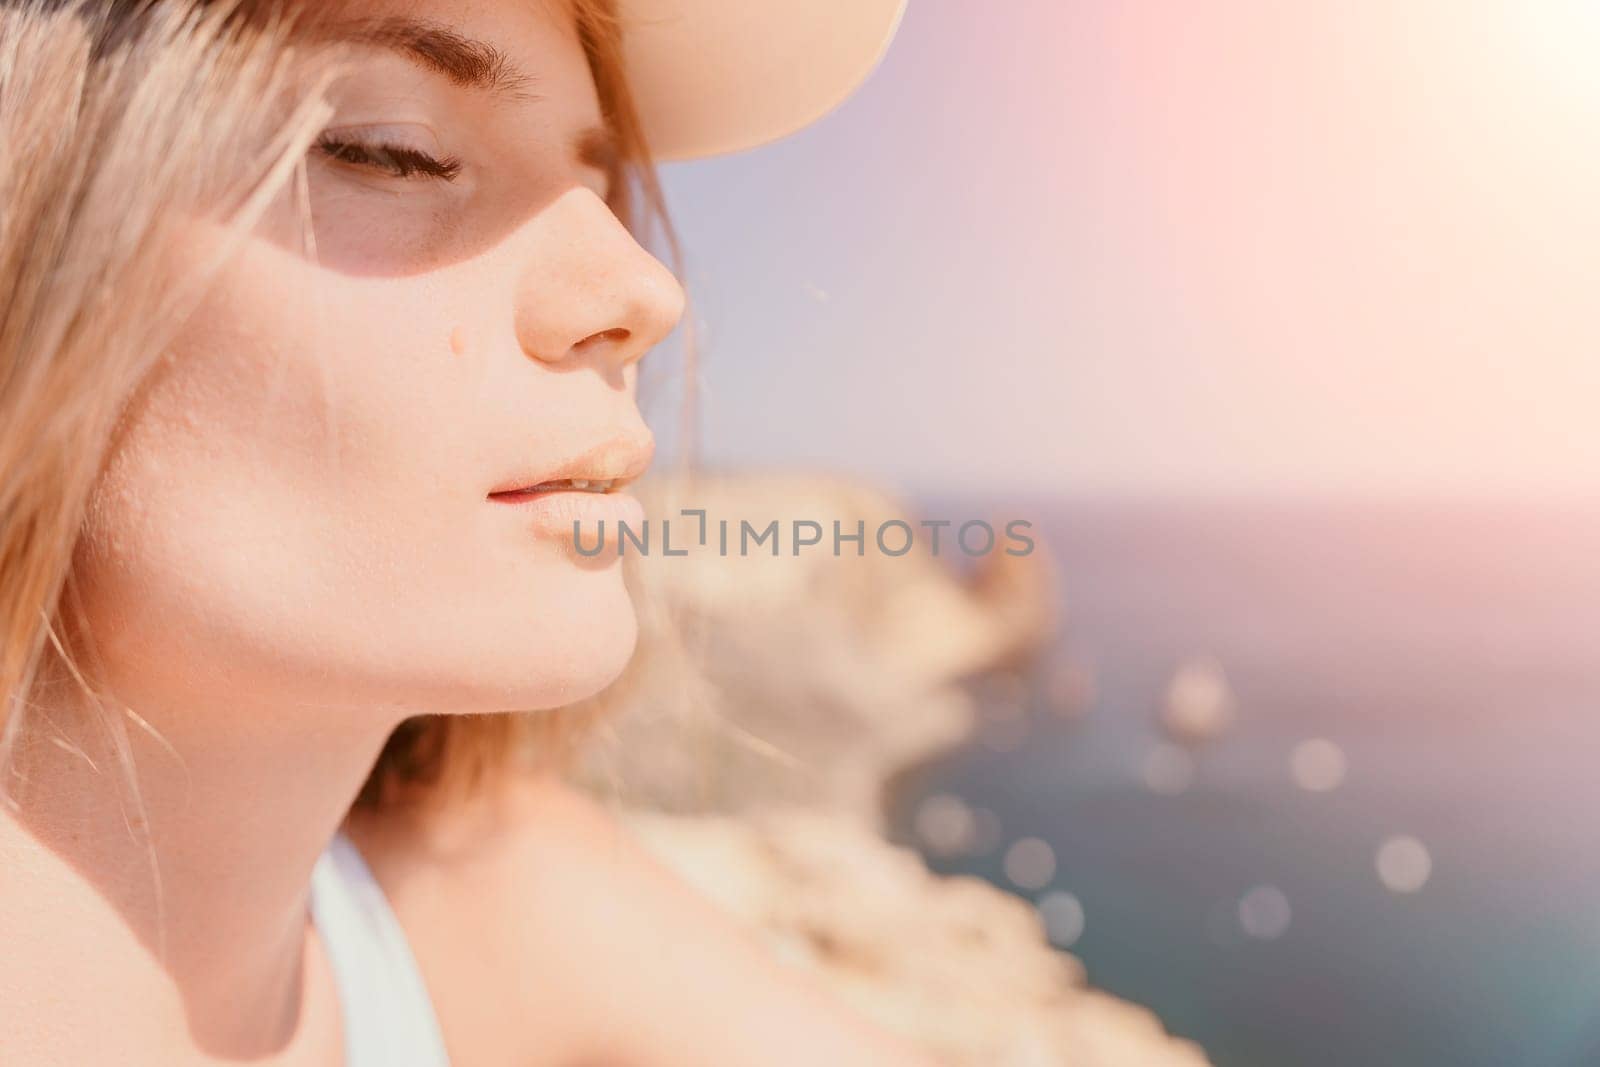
458,340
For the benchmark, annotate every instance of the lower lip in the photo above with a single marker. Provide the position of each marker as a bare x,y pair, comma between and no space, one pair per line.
597,515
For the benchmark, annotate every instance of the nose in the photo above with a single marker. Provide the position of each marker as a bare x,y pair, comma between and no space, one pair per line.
588,287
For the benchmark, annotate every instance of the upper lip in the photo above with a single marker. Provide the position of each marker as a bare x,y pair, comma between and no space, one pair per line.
618,460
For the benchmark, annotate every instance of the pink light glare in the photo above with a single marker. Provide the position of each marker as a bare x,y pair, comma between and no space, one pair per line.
1378,224
1153,247
1383,215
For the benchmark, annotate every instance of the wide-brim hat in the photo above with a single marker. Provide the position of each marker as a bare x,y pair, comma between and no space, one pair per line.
715,76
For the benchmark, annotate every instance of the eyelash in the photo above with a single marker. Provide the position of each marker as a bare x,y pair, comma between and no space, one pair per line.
396,160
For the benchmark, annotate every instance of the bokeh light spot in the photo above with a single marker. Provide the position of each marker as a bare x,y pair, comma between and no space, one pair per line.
1264,912
1318,765
946,824
1404,864
1063,917
1030,863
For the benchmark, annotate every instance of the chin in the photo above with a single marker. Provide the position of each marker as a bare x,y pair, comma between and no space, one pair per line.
581,644
587,674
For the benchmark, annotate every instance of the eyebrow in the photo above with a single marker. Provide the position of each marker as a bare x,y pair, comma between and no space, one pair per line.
466,61
477,64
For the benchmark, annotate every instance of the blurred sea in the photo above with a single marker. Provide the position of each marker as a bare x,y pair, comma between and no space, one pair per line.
1449,651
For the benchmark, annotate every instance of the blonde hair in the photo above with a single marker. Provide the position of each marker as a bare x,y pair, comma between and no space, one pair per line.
116,118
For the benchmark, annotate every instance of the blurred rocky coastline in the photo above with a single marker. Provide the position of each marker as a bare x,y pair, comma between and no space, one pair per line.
775,698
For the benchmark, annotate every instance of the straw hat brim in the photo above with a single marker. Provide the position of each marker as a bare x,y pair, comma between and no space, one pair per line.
717,76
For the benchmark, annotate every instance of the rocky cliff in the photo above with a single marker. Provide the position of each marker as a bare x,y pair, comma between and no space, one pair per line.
751,739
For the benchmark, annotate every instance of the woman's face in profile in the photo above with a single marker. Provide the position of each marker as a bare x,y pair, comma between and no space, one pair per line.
306,498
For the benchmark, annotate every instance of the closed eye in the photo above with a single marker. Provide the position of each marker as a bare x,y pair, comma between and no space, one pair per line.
399,161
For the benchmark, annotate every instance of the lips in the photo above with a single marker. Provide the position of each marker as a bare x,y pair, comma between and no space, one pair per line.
604,468
559,510
561,485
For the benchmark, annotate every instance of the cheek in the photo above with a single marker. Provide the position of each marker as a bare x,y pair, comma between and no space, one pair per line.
298,499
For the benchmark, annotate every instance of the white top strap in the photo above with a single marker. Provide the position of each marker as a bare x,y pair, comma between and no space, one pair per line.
388,1018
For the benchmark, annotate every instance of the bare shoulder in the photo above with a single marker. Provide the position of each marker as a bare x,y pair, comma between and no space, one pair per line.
548,935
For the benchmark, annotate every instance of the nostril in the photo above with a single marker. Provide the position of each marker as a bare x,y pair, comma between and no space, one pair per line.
615,334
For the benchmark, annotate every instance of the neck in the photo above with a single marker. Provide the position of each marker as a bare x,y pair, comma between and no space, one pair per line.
166,863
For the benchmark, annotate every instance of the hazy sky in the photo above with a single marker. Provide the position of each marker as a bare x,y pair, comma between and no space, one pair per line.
1149,246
